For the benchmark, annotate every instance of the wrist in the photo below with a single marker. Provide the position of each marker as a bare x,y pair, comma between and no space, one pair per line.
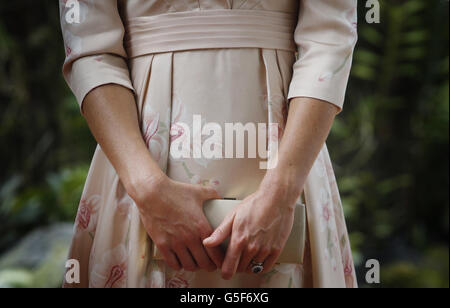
282,186
144,183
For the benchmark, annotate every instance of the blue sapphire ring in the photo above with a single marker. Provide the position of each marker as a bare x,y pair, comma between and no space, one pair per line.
257,267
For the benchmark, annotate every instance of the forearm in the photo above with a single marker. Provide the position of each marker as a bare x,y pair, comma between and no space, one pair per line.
308,125
111,114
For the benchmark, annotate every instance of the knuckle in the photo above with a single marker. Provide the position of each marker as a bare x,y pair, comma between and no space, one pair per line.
252,248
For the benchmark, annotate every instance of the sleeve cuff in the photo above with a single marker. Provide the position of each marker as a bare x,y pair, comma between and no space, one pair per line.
328,94
90,72
317,77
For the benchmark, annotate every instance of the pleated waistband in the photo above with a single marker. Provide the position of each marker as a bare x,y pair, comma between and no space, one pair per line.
210,29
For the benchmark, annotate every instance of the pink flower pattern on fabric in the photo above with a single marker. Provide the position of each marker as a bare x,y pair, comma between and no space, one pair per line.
86,219
153,131
180,280
111,272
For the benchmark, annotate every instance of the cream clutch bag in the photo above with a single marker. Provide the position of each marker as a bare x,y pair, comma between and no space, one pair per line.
216,210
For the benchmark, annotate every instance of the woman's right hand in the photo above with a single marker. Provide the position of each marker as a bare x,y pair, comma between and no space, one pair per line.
172,214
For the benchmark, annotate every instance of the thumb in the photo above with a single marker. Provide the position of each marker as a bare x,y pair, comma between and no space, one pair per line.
209,193
221,233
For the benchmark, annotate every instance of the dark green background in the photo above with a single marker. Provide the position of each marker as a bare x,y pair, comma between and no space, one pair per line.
389,145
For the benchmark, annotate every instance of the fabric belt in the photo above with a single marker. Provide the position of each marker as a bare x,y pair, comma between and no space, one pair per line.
209,29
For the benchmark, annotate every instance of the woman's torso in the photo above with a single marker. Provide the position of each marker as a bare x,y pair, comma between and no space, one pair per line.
223,85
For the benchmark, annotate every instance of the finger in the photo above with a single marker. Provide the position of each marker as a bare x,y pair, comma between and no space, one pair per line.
201,257
270,262
186,259
248,255
171,259
208,193
231,261
260,257
221,233
216,254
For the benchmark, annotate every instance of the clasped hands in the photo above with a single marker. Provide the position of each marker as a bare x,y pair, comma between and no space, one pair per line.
258,228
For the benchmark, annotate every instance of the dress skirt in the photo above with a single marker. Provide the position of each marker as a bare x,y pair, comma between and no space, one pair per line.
236,85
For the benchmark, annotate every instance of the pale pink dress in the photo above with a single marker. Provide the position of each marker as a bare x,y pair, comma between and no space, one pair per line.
229,61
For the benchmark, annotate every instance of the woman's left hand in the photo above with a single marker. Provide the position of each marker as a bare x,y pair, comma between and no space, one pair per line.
259,228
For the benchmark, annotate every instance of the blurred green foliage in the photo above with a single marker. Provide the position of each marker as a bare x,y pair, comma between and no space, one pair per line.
46,145
389,145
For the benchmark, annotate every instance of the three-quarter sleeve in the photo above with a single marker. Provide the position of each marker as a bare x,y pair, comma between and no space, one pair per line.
93,39
325,35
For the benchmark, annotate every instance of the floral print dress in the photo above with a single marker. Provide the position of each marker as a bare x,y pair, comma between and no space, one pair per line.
235,61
